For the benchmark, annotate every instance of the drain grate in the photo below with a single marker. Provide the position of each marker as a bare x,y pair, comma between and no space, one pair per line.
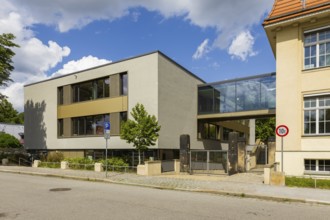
59,189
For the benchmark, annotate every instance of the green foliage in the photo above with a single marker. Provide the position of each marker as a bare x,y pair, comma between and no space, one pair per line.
8,141
55,157
116,164
50,164
142,131
8,114
2,155
6,55
307,182
265,128
115,161
80,163
20,117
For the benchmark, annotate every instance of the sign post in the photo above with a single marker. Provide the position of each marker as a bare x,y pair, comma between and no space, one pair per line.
106,137
282,131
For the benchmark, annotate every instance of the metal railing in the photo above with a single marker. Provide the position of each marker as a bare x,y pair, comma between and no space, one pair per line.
79,166
91,167
24,162
46,164
121,169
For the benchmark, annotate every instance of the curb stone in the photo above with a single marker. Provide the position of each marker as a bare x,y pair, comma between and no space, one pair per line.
216,192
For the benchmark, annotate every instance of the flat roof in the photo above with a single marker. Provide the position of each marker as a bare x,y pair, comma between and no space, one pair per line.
122,60
239,79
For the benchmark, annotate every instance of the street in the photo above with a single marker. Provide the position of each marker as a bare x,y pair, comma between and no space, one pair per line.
35,197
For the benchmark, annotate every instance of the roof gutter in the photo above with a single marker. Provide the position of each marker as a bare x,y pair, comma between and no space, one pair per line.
295,19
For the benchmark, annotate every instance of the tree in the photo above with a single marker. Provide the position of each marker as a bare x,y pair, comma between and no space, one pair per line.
8,114
9,141
265,128
6,55
143,131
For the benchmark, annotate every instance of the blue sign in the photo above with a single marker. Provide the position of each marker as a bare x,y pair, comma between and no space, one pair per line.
106,125
107,130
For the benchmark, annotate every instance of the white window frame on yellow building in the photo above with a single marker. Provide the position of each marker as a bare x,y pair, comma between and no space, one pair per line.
317,42
317,107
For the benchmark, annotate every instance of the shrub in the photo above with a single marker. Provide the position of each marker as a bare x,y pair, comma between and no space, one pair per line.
80,163
115,163
50,164
9,141
55,157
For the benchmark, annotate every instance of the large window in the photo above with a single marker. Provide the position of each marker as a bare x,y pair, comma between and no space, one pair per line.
89,125
246,94
60,127
317,115
317,49
90,90
317,165
60,95
208,130
123,84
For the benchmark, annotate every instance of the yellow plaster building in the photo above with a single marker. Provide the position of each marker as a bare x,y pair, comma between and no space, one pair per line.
299,34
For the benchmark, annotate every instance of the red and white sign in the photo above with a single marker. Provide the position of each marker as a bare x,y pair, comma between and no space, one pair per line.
282,130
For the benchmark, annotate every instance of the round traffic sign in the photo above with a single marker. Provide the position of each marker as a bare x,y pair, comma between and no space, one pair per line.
107,125
282,130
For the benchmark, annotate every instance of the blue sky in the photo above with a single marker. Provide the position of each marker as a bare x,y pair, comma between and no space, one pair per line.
214,39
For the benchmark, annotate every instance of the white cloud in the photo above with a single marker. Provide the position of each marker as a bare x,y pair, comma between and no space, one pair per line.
135,16
34,59
76,65
228,17
202,50
242,46
15,93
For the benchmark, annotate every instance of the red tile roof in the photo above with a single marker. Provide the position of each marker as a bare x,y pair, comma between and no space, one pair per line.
287,9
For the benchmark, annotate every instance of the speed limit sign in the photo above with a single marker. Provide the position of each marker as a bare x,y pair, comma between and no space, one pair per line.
282,130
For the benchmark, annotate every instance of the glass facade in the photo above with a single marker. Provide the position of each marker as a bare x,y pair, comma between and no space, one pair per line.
123,84
89,125
60,95
254,93
208,130
60,128
90,90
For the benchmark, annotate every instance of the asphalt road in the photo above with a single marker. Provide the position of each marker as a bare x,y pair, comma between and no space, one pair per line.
35,197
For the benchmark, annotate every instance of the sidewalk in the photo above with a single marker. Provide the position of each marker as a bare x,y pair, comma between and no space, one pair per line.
245,184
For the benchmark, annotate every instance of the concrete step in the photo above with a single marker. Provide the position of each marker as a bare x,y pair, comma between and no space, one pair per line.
257,170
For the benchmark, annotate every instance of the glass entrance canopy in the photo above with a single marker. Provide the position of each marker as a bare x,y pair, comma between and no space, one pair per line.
244,94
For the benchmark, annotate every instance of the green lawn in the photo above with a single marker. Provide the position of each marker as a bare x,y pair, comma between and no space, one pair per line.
307,182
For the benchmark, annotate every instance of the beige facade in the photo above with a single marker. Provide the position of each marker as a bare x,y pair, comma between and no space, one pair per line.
166,89
295,82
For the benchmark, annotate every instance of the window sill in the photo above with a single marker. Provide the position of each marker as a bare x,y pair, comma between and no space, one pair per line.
86,136
91,100
315,135
317,173
315,69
